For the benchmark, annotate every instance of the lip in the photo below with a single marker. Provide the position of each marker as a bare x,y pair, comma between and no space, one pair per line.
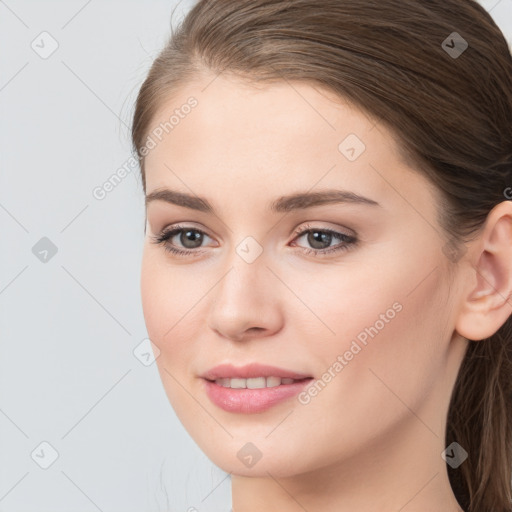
249,371
248,401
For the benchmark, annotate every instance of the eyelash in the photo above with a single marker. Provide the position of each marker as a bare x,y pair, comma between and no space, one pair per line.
348,241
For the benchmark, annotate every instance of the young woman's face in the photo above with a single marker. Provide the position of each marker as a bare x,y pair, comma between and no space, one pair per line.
351,289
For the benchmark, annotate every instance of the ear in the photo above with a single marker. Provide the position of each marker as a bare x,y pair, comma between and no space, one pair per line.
487,287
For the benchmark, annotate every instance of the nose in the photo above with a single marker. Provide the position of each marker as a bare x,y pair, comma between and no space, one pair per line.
245,303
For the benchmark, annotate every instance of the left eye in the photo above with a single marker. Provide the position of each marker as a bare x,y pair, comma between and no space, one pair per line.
317,238
192,238
320,240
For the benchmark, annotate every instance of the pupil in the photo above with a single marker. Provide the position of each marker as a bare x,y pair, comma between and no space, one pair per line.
317,237
190,236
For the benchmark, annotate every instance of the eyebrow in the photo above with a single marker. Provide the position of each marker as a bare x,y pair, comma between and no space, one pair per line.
297,201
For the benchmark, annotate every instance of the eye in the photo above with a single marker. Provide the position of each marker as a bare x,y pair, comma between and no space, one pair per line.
321,238
192,238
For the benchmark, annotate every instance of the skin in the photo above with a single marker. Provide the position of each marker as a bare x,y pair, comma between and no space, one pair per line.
372,438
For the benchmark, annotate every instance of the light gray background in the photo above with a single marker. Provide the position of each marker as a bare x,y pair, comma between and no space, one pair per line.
68,326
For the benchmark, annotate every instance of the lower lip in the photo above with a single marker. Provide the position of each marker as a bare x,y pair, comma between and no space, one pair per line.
252,400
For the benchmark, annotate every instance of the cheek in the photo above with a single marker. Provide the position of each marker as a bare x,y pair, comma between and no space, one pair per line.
167,296
167,292
391,334
153,282
394,301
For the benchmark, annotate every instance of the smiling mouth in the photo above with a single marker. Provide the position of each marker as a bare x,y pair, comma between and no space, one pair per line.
255,382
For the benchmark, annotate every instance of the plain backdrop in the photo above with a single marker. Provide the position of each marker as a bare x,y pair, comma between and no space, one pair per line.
85,424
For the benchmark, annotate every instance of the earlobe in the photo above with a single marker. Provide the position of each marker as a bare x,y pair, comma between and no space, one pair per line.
488,303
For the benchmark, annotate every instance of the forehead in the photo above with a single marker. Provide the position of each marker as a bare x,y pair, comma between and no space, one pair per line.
271,115
274,136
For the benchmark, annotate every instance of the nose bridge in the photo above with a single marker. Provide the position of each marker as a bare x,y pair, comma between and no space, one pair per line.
244,278
243,298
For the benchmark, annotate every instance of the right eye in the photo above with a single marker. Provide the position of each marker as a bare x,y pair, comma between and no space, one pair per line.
189,237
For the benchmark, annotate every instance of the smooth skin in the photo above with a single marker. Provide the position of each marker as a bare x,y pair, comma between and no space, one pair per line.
372,439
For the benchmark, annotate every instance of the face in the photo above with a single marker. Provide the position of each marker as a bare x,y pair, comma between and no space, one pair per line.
350,289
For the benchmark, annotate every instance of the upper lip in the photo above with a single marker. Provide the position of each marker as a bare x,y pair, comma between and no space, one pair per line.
251,370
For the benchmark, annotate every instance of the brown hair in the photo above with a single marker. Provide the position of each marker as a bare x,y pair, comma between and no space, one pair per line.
451,113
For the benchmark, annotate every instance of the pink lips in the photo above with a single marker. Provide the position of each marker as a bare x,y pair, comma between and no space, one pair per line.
251,400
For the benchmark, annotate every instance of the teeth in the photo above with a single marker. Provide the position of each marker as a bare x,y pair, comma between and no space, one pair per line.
273,381
253,383
238,383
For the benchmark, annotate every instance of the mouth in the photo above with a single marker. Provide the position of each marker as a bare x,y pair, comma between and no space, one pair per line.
252,375
256,382
253,388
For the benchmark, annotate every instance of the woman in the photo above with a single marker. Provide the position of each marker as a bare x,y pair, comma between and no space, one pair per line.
327,271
